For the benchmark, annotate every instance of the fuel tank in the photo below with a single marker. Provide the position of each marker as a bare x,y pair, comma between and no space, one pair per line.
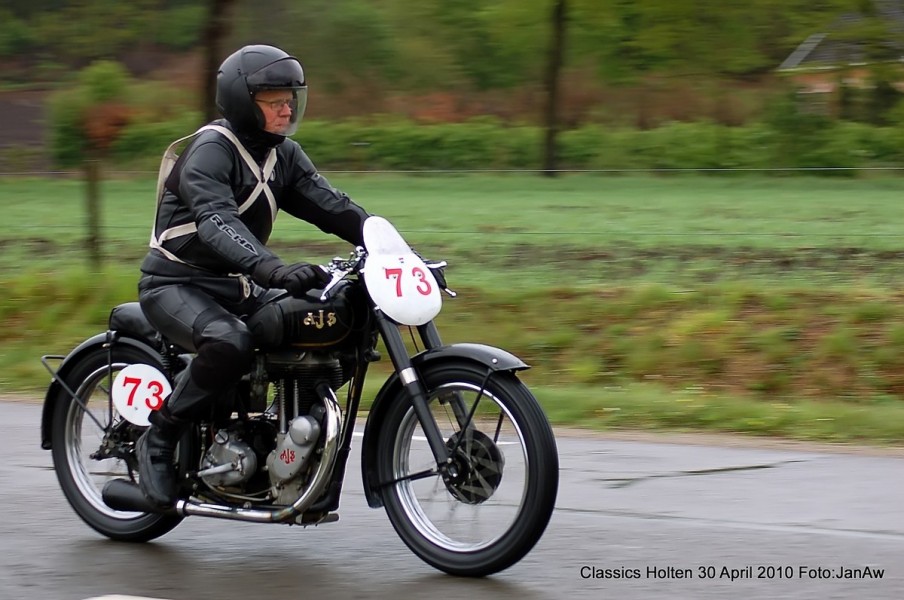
308,322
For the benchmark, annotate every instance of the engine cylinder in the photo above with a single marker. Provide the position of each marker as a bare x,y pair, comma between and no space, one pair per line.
296,375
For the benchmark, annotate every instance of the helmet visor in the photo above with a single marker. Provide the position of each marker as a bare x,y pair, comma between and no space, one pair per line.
283,73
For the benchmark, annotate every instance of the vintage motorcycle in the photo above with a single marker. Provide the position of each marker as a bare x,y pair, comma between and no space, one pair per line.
455,447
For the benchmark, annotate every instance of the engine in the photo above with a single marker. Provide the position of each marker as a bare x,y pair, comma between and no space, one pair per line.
268,457
287,463
295,376
229,462
232,464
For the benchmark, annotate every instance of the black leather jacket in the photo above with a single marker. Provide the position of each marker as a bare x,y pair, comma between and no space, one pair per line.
209,183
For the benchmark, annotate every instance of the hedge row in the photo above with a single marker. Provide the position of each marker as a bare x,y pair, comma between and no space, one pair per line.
490,144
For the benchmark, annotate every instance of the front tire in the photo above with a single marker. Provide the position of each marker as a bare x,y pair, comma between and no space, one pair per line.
76,437
494,510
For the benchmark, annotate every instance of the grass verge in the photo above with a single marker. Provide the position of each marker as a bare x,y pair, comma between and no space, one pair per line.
763,306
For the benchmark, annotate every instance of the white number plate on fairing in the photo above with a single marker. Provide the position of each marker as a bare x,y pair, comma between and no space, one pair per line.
137,390
397,279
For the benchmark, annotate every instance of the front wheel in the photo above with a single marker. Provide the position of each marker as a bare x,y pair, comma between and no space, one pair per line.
90,449
494,506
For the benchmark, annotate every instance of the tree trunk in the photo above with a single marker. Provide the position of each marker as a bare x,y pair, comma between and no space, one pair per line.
554,67
215,32
92,212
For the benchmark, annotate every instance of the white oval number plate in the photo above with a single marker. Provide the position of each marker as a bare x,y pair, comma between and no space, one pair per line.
137,390
397,279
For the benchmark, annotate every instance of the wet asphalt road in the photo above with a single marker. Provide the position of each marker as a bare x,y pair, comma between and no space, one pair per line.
776,517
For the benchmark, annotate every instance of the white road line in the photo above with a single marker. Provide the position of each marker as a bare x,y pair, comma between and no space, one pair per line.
118,597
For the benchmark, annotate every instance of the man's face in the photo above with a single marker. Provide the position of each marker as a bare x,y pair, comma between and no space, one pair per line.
276,105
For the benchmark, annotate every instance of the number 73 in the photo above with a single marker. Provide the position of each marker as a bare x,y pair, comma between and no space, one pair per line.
423,286
154,401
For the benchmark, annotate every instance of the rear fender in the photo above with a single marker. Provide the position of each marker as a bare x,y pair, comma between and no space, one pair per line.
493,359
101,340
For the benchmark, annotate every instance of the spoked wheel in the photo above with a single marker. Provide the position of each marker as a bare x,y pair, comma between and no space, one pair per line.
487,511
94,446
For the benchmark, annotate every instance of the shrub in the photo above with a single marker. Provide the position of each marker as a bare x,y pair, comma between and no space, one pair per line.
148,140
14,34
92,113
183,26
783,141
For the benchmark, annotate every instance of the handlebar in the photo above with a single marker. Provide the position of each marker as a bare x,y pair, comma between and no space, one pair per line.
340,268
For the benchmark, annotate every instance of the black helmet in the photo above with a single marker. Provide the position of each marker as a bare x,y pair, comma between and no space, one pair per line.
250,70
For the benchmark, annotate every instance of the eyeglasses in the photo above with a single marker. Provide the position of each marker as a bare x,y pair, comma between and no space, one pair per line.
278,104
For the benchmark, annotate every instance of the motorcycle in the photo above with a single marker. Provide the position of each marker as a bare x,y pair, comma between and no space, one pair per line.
455,447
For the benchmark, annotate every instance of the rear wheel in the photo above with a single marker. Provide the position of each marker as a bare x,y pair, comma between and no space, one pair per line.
93,447
493,509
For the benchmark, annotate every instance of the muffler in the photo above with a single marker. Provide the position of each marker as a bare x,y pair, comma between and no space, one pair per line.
122,494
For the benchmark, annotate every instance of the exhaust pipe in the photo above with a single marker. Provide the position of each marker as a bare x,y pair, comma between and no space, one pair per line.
120,494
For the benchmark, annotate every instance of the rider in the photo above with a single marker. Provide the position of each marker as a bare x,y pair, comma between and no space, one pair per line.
208,263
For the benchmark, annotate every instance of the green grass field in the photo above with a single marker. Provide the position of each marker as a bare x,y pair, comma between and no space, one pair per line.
732,303
583,228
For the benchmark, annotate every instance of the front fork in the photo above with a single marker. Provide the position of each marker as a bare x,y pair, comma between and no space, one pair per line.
430,338
398,353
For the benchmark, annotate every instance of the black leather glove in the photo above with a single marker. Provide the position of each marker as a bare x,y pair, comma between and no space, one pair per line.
296,278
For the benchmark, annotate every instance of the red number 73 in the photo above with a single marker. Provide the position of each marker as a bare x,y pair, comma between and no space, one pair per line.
154,401
423,287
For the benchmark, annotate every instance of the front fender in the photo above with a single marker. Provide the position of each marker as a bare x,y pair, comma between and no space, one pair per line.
494,359
55,388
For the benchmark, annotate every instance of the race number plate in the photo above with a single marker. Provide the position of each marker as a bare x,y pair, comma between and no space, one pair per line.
137,390
397,279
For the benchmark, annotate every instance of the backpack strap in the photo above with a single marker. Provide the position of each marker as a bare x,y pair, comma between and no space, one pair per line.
263,173
170,156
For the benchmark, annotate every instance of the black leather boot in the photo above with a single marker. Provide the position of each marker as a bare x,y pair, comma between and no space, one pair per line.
157,447
156,452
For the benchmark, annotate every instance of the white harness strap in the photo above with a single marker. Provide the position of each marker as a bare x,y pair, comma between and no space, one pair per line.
263,173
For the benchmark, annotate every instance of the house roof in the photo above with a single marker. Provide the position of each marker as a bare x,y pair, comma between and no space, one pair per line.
836,46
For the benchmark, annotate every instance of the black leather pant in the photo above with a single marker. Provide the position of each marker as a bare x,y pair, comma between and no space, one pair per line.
203,314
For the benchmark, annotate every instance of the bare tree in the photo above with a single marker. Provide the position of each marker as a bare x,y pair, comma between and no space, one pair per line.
553,68
215,31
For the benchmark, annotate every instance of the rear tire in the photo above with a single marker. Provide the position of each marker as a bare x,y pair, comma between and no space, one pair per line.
495,511
75,436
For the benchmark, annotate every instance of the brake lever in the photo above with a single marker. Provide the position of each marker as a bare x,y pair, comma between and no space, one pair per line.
337,277
339,269
439,265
